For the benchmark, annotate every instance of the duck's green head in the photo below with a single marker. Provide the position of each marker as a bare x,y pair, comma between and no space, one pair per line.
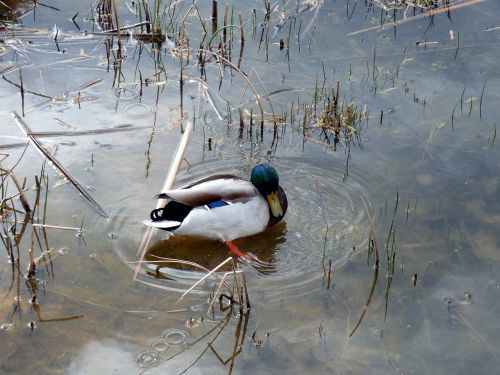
266,180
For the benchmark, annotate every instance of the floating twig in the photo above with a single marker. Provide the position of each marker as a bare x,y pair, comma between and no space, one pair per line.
78,186
56,227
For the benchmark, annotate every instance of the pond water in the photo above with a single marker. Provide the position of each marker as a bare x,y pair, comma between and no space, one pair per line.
407,168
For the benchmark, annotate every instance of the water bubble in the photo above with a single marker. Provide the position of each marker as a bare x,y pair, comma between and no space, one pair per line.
159,346
194,322
136,110
466,299
174,336
63,251
196,308
125,94
6,326
147,358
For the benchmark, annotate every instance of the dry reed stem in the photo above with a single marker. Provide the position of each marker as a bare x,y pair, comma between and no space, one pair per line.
169,181
87,132
203,278
56,227
57,165
443,9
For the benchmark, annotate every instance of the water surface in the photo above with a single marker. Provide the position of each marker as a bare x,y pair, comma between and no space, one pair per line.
424,159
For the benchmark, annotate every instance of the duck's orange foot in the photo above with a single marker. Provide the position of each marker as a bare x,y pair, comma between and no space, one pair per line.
233,249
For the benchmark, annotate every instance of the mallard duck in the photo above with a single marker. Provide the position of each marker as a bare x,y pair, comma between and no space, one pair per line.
223,207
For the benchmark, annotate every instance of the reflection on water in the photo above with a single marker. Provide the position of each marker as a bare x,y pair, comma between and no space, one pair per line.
102,357
209,254
426,164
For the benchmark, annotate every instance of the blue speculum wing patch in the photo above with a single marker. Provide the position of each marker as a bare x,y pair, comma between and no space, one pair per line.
219,203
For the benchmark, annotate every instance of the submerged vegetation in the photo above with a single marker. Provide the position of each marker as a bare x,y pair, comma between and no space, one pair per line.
23,212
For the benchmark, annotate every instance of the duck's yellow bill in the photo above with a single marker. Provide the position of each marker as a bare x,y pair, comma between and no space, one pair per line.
274,204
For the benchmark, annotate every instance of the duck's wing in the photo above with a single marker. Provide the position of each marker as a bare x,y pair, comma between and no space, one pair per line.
228,188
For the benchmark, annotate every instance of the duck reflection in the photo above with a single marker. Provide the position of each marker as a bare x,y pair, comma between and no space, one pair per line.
260,251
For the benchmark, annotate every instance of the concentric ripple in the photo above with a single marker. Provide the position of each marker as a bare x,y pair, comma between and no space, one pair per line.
126,93
290,254
174,336
138,110
147,359
160,345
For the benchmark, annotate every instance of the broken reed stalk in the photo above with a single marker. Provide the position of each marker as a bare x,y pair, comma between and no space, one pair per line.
57,165
203,278
169,181
56,227
22,197
375,273
430,13
222,280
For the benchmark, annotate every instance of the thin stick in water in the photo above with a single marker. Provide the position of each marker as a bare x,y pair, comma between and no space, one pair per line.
203,278
78,186
179,155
